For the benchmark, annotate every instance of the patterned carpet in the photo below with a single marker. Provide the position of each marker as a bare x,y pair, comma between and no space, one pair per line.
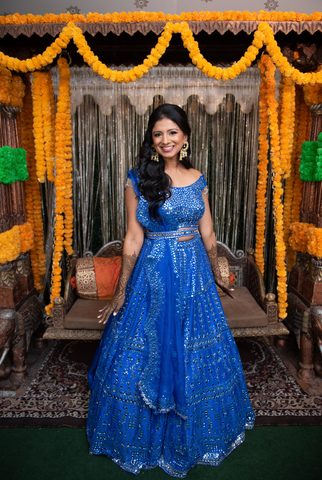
56,391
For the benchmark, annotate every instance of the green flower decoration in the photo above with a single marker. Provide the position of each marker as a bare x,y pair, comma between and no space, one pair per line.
318,173
308,165
13,165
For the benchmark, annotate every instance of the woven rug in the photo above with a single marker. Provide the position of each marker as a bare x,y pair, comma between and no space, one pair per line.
56,391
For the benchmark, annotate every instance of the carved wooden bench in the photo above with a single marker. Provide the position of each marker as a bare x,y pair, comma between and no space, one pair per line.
251,313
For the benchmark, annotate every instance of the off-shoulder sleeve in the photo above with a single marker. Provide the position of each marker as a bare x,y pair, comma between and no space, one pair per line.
133,181
204,185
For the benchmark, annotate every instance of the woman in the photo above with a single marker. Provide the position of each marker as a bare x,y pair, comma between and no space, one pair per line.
167,386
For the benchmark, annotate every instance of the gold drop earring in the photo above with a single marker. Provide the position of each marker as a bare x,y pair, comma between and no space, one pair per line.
155,155
184,151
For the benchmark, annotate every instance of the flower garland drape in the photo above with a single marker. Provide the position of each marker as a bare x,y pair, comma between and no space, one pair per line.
268,91
17,240
263,35
129,17
306,238
262,173
287,130
12,88
281,165
32,191
44,125
63,181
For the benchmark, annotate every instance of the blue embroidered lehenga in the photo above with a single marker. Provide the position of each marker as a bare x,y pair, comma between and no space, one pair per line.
167,385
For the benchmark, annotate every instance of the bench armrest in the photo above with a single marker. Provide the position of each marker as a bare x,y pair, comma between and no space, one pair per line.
257,289
63,305
70,295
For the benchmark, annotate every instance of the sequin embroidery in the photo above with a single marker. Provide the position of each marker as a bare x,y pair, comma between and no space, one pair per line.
167,386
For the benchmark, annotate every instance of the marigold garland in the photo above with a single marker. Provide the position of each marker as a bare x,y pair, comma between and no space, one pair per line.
38,127
299,236
302,132
130,17
288,127
280,249
63,181
48,116
289,184
306,238
32,191
17,92
313,93
287,111
263,35
262,174
314,241
12,88
5,85
17,240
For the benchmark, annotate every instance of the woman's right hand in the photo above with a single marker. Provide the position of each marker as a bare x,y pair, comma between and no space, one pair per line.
113,306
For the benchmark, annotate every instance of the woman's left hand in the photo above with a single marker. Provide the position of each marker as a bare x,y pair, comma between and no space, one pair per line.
224,288
113,306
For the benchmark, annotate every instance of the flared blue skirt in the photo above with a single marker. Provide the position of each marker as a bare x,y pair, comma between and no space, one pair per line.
167,385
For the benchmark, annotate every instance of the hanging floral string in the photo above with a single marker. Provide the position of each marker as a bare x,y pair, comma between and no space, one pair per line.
287,103
299,236
63,180
68,205
48,110
280,249
263,35
314,241
5,85
32,191
313,93
12,88
302,136
262,173
38,127
287,126
17,240
142,16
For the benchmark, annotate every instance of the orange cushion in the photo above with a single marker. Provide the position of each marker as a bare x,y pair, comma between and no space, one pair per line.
96,277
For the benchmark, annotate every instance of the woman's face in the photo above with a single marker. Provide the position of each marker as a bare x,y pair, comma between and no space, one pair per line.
168,139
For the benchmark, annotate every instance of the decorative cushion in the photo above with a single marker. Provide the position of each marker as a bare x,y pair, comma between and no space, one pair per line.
227,277
96,277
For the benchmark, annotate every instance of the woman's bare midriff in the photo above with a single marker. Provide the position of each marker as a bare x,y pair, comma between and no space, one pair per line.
185,239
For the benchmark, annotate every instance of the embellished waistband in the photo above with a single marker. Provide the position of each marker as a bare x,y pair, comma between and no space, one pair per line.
185,232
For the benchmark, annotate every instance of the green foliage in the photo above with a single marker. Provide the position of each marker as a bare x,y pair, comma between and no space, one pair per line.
308,165
13,165
318,174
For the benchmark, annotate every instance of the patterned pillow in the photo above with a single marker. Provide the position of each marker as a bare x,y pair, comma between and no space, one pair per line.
96,277
227,277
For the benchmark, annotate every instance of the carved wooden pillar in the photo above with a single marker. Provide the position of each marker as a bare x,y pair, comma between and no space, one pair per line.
306,276
311,208
13,287
5,207
14,192
24,273
10,289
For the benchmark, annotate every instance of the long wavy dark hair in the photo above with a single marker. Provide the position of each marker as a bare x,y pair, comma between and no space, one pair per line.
154,183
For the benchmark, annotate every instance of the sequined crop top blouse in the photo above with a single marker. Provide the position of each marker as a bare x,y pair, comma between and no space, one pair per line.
183,209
